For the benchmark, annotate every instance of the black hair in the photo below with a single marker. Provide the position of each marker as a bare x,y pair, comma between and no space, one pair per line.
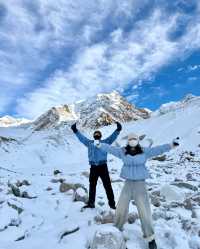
129,150
97,133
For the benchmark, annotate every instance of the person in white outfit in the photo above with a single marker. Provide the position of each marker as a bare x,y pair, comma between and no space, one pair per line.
134,172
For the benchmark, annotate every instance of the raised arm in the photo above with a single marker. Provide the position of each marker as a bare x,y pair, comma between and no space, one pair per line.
157,150
116,151
80,136
114,135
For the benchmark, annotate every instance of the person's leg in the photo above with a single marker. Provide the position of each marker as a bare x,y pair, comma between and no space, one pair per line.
93,178
140,195
123,206
104,174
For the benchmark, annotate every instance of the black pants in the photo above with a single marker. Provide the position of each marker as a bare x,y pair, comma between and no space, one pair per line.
102,172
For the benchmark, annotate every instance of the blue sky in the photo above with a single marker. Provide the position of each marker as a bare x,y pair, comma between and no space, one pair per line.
57,52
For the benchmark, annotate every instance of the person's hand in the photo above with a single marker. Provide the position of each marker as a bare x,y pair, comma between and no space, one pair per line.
74,129
175,142
119,126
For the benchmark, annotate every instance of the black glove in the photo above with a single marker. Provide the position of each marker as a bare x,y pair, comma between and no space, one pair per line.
119,126
176,141
74,129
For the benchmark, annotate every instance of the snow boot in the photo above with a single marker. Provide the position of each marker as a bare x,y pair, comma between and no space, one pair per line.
113,207
89,206
152,244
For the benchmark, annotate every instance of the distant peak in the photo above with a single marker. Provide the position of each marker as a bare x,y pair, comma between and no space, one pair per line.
189,96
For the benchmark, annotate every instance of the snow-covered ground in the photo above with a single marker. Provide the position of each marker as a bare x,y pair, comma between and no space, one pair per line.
41,219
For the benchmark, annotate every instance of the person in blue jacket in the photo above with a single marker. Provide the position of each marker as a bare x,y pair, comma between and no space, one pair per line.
98,163
134,172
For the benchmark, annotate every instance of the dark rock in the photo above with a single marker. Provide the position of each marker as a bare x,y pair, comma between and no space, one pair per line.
132,217
22,183
189,177
69,232
19,209
56,172
188,204
101,203
155,201
49,188
160,158
15,191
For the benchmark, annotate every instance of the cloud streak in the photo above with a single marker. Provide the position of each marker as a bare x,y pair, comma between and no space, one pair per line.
105,52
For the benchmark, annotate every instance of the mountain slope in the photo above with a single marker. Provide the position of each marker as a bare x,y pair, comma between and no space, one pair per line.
36,154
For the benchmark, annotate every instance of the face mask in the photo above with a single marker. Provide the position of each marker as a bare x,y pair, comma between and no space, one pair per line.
133,143
96,142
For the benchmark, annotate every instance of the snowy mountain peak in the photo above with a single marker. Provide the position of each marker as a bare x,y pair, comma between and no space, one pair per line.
7,121
188,101
103,109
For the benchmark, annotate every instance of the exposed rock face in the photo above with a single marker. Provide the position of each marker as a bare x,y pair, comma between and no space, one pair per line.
48,119
7,140
104,109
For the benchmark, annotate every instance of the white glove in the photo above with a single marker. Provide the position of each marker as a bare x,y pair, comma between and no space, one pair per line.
176,142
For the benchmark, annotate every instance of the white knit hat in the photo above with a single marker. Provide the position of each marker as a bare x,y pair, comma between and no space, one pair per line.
132,135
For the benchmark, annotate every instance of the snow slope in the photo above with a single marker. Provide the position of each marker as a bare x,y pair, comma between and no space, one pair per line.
35,155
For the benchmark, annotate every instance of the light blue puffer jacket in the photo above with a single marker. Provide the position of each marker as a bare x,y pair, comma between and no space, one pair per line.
134,167
97,157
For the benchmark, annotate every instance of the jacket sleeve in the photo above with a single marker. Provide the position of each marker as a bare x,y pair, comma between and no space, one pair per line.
82,138
112,137
116,151
157,150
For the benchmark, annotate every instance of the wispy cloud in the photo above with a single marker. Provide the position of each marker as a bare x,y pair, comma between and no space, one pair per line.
193,68
60,51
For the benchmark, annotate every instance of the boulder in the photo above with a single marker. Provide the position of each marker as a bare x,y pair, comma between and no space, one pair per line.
64,187
80,194
108,238
155,200
132,217
185,185
105,217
